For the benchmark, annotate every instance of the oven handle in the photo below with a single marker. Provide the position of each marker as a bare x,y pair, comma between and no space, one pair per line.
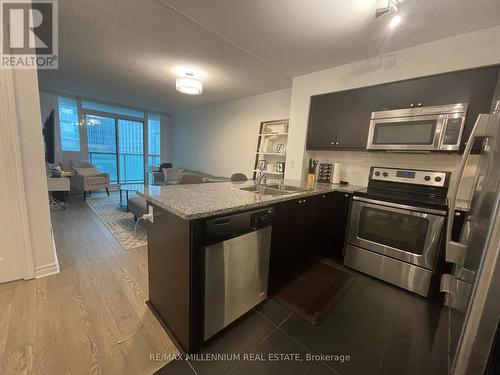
455,251
402,206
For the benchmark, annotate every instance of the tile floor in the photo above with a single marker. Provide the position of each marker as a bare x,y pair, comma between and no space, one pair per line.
385,330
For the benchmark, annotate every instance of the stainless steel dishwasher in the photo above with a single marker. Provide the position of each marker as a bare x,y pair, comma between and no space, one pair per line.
236,266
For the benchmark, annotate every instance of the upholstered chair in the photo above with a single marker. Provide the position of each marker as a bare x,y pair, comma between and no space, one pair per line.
87,178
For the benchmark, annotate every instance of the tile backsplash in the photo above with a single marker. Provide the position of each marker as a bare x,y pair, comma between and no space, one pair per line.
355,165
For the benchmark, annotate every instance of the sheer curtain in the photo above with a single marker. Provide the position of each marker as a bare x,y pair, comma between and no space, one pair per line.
48,102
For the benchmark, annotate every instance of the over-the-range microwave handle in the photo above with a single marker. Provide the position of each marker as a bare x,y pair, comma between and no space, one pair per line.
455,251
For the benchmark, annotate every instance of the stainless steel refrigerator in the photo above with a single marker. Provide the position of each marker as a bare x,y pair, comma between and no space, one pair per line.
468,330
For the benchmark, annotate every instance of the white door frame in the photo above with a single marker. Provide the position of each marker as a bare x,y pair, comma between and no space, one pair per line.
10,141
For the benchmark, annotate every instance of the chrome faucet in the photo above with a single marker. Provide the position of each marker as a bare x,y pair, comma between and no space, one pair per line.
261,177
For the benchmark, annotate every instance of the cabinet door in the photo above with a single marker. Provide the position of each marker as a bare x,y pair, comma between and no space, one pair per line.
395,95
449,88
482,84
356,107
293,242
285,244
354,119
323,121
333,223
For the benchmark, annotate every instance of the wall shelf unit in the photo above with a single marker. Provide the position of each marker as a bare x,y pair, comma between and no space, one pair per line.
272,140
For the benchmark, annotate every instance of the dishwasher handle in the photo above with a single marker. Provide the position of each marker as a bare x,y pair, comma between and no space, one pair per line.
226,227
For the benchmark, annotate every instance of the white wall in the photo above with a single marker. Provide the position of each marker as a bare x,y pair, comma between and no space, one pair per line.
30,162
221,139
463,51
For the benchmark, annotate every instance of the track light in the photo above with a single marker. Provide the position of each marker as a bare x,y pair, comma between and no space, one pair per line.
391,6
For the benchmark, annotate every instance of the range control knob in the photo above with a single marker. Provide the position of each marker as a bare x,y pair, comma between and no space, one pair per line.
437,179
377,173
427,178
385,174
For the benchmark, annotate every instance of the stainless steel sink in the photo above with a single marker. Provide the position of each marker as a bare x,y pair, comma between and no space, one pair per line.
273,189
282,187
264,190
292,188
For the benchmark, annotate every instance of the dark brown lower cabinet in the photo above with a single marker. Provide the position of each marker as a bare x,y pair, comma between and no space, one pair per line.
333,221
303,230
292,246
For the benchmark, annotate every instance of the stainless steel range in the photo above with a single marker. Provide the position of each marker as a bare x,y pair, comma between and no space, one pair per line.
396,226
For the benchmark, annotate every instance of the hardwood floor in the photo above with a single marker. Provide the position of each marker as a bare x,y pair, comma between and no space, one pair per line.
72,322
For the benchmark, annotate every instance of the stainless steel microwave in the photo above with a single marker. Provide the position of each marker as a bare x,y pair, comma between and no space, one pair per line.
437,128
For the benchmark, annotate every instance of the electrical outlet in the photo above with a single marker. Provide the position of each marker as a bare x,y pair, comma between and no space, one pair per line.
151,212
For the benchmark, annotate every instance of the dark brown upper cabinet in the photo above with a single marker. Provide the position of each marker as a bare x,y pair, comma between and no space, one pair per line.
340,120
324,115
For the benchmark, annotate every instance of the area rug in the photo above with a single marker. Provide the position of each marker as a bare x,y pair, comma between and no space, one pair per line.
119,222
314,292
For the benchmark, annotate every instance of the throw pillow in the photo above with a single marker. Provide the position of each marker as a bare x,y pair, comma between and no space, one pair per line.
87,172
172,174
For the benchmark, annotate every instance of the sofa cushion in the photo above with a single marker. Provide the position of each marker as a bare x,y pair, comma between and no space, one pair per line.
80,164
96,180
172,174
87,172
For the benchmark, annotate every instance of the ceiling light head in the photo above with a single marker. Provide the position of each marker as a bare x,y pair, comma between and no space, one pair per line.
387,8
189,85
396,20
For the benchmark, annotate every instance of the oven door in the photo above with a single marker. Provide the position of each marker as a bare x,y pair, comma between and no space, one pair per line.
417,133
401,232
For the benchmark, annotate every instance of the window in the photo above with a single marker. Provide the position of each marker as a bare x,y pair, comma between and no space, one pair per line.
154,139
68,124
112,109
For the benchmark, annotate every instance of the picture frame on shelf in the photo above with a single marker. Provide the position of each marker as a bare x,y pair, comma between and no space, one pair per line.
280,167
262,164
280,148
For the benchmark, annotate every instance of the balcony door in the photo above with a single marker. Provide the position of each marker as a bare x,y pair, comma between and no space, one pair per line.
116,147
101,139
131,151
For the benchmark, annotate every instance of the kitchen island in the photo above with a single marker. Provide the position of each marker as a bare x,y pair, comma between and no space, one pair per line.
306,222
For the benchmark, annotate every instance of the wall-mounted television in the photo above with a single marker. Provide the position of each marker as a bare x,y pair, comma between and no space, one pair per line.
49,138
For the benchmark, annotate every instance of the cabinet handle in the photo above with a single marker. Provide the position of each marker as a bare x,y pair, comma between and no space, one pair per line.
419,104
412,105
333,143
457,213
336,143
347,195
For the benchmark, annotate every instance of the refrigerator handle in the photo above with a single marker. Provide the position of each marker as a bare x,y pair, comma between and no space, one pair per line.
455,251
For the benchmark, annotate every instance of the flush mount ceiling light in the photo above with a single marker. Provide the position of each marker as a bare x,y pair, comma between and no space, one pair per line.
189,85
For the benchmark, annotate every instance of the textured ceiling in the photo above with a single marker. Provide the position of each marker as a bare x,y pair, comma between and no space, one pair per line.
125,51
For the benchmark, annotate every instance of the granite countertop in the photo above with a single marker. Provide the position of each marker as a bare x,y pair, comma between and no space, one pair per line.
210,199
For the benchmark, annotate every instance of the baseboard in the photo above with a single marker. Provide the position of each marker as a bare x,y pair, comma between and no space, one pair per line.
46,270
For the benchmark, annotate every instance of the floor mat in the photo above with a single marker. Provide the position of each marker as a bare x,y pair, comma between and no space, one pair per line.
119,222
314,292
